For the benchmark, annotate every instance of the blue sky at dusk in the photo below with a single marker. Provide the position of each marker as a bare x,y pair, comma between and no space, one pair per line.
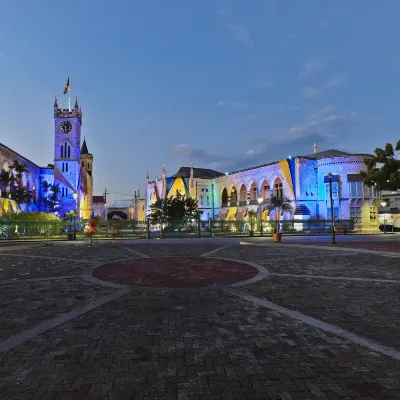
221,84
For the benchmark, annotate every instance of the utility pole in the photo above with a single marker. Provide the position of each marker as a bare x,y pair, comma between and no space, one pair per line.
105,203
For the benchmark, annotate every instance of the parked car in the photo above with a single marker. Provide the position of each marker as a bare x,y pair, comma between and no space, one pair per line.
389,228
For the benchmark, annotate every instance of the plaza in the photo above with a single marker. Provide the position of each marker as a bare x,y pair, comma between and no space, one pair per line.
201,319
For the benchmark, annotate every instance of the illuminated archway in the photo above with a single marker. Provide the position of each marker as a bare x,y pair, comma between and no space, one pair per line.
243,194
253,192
265,190
233,195
224,197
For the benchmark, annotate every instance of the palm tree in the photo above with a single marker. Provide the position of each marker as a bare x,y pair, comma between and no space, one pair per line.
45,194
6,178
53,200
252,216
21,196
19,170
280,204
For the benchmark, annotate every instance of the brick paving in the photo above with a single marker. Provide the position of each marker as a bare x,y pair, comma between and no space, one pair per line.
160,343
175,272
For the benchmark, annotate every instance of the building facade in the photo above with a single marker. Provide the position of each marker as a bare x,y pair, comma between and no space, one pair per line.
71,172
303,180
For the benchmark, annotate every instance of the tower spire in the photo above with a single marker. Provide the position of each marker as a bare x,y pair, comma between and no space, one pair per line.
76,106
55,102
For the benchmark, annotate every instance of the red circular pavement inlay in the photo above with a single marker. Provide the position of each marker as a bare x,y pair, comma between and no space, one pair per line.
175,272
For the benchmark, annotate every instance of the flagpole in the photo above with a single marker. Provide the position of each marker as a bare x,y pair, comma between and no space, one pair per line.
69,98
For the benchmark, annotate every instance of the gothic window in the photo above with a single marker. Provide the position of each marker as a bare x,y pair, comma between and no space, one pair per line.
62,151
62,167
69,152
62,192
66,167
278,188
66,192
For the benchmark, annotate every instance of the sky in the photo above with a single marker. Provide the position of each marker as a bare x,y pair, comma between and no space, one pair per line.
216,83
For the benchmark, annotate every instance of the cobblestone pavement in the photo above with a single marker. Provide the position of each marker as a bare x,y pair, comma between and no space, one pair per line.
63,337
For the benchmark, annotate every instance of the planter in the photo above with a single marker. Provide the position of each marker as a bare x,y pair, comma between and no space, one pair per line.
70,236
251,233
277,237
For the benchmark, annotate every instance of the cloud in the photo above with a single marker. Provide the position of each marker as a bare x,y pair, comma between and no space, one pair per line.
311,66
311,92
221,103
321,127
241,34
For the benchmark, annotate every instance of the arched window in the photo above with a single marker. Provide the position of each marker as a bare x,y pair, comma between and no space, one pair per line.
253,192
66,167
66,192
233,195
62,151
62,192
62,167
243,194
265,190
278,188
69,152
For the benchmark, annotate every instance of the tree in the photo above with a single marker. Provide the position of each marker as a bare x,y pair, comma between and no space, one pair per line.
383,169
53,201
176,211
279,204
252,216
45,194
19,170
21,195
6,178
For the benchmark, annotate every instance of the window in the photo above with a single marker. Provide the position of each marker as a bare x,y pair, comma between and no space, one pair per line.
206,190
356,190
335,191
355,213
201,200
335,213
278,189
83,164
62,192
66,167
62,167
66,192
69,151
208,201
62,151
370,192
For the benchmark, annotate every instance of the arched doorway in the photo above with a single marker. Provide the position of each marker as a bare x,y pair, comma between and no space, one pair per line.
224,198
265,190
243,195
233,195
253,192
117,215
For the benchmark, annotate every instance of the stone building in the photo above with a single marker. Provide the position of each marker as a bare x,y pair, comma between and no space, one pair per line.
303,180
72,170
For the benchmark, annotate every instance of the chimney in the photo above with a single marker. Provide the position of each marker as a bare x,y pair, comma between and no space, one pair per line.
315,148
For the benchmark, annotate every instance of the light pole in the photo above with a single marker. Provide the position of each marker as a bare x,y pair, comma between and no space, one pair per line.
75,196
332,216
384,204
260,200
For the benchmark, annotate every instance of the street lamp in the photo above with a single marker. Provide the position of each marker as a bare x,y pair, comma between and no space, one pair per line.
75,196
384,204
260,200
332,217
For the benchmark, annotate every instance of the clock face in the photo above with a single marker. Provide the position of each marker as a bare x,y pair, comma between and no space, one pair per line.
66,126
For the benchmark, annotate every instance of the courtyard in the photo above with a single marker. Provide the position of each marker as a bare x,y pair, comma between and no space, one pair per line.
199,319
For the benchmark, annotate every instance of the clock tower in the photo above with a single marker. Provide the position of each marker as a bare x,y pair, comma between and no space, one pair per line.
67,165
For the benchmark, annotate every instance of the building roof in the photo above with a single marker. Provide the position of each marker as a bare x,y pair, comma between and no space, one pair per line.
201,173
332,153
98,199
84,149
19,155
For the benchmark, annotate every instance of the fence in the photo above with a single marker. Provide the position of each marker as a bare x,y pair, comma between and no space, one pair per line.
11,229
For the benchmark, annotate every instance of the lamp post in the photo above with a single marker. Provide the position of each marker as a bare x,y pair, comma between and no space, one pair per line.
260,200
332,216
384,204
75,196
